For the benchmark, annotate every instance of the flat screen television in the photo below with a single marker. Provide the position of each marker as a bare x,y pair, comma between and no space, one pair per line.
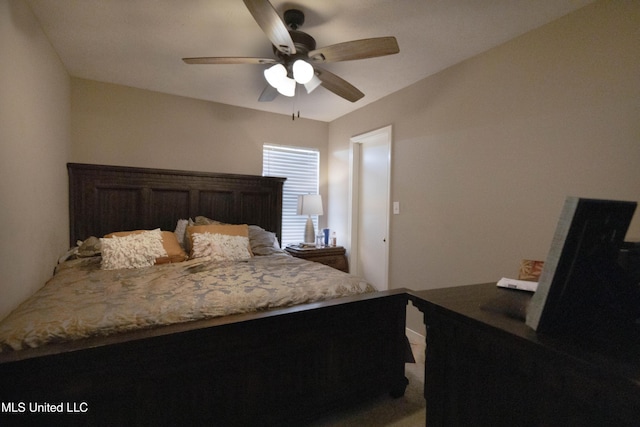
581,285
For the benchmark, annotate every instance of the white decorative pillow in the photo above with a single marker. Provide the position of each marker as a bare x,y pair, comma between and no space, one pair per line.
220,247
132,251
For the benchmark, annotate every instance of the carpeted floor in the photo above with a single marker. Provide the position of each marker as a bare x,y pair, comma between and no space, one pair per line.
406,411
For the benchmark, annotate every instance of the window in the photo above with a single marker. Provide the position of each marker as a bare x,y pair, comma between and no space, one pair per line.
301,167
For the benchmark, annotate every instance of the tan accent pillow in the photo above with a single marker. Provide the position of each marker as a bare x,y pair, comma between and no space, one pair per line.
175,253
236,230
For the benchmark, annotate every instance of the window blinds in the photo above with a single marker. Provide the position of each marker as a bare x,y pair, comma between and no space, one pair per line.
301,167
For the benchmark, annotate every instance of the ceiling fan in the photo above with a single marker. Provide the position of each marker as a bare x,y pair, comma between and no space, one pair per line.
295,52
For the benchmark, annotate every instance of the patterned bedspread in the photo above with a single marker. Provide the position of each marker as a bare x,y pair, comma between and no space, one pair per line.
81,300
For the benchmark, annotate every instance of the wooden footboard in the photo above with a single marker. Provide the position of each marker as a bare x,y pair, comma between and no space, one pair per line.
272,368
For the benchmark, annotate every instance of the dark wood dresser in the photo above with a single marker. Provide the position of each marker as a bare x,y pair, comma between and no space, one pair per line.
486,367
333,256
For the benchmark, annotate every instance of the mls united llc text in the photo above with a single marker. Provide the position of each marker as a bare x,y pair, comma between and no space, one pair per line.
44,408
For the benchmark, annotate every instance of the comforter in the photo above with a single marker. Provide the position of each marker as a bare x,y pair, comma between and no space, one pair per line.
81,300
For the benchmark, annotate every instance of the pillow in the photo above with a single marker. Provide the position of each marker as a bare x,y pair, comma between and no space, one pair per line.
132,250
181,233
181,230
263,242
169,240
203,220
220,241
89,247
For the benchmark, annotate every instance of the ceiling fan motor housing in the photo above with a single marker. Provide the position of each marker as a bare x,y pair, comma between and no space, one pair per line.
303,42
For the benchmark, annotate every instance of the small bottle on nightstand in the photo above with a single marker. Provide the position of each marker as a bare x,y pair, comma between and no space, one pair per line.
333,241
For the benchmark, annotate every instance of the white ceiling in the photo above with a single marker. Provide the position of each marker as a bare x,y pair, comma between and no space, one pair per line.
140,43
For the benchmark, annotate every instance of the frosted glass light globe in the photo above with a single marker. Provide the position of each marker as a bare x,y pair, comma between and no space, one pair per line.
302,71
287,87
275,75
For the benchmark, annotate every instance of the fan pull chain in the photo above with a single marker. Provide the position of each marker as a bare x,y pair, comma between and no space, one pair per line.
293,113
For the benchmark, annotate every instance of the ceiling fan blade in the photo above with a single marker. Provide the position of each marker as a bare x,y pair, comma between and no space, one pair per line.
272,25
356,49
268,94
338,85
228,60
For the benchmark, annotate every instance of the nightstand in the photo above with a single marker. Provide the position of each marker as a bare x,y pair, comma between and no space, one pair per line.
333,256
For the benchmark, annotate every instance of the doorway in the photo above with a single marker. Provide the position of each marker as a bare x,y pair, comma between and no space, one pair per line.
370,206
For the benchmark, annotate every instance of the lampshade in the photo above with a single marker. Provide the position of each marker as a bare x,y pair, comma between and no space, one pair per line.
312,84
302,71
310,204
275,75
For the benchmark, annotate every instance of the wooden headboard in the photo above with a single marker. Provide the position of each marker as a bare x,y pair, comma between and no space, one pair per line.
103,199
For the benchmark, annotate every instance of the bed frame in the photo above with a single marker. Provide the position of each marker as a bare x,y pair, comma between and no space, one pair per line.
279,367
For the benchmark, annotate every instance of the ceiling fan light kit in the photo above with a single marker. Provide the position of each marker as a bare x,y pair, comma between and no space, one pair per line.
277,76
296,50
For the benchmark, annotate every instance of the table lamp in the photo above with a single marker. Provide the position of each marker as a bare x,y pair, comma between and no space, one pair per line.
309,204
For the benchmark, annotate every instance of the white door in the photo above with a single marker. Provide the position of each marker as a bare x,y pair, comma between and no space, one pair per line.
370,205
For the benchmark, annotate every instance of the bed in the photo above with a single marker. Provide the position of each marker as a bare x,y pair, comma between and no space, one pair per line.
275,364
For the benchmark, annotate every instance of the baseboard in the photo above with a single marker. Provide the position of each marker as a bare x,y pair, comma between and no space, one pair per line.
415,338
418,345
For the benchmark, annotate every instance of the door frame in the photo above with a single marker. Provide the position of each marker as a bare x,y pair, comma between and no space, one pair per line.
354,196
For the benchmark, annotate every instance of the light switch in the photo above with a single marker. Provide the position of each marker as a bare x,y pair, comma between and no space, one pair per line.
396,208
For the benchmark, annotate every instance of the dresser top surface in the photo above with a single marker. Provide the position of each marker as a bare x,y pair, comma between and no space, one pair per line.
501,311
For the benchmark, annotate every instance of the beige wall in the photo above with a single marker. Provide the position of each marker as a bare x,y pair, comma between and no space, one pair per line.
485,152
113,124
118,125
34,147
